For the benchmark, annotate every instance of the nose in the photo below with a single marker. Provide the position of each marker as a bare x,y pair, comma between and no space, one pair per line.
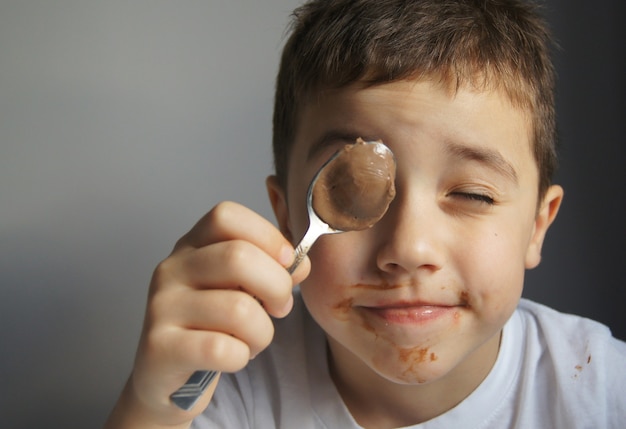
411,235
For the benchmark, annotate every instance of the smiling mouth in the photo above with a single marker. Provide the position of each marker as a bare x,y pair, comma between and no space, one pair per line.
404,311
412,313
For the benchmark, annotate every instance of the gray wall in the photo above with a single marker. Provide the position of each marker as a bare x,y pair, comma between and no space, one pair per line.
584,262
121,123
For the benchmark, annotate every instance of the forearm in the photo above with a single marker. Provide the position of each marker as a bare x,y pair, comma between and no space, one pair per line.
130,413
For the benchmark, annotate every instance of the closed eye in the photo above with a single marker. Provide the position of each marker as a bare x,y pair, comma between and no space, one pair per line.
482,198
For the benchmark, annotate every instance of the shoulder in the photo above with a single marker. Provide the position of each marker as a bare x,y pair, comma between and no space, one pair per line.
568,337
576,361
564,328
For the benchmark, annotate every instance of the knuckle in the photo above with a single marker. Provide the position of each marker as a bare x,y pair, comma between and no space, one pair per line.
221,213
224,352
154,343
236,254
161,275
159,305
214,349
242,307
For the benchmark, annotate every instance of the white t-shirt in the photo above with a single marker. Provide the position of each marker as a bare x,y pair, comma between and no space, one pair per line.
553,371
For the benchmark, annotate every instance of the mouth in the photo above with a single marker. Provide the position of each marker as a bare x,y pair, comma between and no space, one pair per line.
413,313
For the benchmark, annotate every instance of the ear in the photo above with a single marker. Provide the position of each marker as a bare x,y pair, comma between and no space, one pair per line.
278,200
545,216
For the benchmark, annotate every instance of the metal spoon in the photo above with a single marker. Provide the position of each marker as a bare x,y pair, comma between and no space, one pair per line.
336,198
350,173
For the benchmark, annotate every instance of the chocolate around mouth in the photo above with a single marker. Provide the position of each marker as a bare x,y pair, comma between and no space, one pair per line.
355,189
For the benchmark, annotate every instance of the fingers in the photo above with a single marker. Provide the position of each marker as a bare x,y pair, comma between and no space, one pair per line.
233,264
229,221
233,247
230,312
191,350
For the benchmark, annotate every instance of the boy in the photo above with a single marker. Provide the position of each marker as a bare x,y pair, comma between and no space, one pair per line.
417,321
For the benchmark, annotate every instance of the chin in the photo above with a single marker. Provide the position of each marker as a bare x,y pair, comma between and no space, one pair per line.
412,367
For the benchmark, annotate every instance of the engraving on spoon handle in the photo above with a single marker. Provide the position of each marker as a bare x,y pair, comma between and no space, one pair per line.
299,257
303,247
187,396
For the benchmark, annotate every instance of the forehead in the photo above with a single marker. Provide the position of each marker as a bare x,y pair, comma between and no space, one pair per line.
400,110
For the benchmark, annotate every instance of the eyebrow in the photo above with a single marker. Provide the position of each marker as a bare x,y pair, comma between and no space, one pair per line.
483,155
486,156
335,136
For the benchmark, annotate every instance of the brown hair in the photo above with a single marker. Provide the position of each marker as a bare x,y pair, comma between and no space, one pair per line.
496,44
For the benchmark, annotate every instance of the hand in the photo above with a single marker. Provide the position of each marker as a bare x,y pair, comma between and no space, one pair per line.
209,306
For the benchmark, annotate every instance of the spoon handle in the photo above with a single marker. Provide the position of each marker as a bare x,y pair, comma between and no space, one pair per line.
304,246
187,396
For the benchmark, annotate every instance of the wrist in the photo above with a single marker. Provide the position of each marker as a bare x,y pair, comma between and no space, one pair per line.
130,413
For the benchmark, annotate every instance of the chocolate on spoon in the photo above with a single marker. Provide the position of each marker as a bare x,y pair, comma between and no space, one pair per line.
350,192
354,190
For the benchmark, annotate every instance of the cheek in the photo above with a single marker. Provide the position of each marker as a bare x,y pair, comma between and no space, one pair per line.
326,266
326,289
494,272
298,222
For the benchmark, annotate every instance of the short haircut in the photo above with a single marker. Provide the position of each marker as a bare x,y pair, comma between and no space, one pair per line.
486,44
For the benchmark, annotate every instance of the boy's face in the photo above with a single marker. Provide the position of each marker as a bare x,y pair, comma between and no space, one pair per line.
425,292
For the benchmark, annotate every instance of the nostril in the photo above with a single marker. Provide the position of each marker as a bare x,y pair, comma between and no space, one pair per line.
389,266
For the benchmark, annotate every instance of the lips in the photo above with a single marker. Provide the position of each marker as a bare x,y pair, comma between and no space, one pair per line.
410,313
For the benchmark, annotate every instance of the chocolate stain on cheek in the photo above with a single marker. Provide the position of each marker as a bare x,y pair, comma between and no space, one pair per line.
464,301
380,286
342,308
342,311
464,298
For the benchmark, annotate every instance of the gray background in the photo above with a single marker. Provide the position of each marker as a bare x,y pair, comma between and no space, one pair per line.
122,122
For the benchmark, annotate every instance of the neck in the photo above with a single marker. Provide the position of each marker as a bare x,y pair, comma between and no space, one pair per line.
376,402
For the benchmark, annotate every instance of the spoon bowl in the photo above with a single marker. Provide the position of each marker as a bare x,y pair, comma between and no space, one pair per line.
350,192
